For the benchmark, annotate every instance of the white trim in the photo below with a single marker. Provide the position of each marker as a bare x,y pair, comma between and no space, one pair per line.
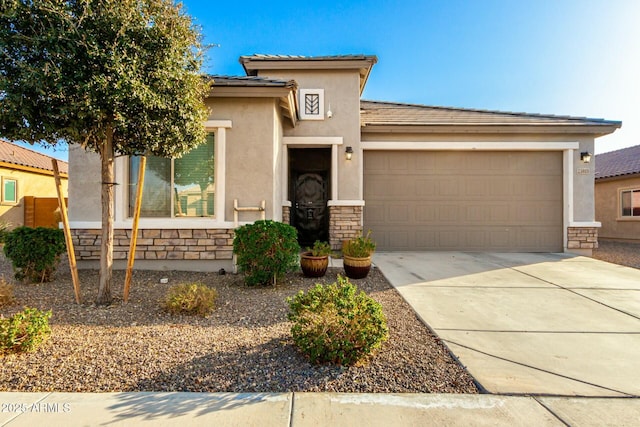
345,203
286,204
220,162
215,124
312,140
159,223
334,171
469,145
596,224
567,195
284,176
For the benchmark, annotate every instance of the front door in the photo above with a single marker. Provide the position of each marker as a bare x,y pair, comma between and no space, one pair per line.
309,194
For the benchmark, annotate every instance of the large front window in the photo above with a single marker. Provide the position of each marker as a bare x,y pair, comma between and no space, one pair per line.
630,203
181,187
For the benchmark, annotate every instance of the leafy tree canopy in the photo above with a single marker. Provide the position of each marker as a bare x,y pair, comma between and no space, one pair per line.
72,69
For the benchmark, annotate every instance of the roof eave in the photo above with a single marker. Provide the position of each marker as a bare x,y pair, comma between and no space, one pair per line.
577,129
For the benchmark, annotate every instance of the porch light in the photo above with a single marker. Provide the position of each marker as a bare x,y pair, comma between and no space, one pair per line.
585,157
349,152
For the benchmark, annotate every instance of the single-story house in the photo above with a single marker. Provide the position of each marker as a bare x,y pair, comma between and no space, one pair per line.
293,141
28,194
617,193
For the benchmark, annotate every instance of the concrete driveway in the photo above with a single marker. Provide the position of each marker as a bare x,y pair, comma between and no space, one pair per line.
551,324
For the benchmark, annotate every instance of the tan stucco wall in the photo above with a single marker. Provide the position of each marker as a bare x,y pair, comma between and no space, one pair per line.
342,95
608,209
252,153
84,185
29,184
583,184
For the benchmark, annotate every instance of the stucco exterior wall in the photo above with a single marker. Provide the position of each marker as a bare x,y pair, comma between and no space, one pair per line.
84,185
251,153
342,95
28,184
607,201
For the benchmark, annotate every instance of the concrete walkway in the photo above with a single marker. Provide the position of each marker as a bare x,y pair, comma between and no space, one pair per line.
550,324
309,409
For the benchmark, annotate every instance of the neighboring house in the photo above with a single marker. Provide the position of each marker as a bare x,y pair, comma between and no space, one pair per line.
617,193
294,135
27,189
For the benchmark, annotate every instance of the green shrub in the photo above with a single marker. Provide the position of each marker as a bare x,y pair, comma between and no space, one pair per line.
34,252
336,323
6,293
265,251
24,331
193,299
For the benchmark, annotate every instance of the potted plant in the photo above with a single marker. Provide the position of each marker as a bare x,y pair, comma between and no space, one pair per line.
356,256
315,260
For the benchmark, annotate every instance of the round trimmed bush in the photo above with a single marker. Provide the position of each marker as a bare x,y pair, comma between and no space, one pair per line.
265,251
34,252
337,323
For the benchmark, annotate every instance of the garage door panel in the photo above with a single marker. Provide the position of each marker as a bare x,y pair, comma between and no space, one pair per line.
464,200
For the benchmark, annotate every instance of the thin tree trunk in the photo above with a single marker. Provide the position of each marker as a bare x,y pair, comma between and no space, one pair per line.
106,248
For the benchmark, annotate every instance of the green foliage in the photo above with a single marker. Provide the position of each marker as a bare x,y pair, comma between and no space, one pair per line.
73,69
360,246
6,293
34,252
192,299
265,251
336,323
320,249
24,331
118,77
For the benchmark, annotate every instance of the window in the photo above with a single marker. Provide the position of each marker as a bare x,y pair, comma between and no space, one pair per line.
9,190
311,104
630,203
181,187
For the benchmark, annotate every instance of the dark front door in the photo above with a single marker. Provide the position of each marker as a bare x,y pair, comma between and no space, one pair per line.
309,193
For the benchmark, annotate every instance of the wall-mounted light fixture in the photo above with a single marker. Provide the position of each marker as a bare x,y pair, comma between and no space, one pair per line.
329,112
349,152
585,157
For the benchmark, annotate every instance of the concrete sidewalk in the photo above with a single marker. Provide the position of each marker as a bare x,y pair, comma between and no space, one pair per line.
309,409
550,324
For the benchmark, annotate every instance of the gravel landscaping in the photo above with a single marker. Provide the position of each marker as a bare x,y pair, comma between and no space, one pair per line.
618,252
244,346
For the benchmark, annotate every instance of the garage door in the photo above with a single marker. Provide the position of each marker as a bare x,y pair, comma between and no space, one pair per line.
460,200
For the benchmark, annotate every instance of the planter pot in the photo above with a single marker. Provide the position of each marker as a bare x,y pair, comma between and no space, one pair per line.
356,268
313,266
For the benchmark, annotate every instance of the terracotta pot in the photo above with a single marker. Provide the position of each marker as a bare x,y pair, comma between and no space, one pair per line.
356,268
313,266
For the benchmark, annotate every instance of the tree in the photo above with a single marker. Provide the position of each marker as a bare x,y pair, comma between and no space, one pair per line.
118,77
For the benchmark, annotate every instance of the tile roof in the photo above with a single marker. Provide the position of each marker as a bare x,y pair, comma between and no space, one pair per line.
618,163
250,81
263,57
391,113
17,155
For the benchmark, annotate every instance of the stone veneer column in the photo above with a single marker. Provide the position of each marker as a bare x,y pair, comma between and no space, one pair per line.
286,214
345,222
582,238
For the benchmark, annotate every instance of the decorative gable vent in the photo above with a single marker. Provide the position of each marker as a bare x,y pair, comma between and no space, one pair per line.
311,104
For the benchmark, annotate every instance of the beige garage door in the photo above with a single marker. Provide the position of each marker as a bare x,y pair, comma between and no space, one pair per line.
460,200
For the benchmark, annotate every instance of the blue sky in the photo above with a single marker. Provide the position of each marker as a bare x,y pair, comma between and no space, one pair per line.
569,57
